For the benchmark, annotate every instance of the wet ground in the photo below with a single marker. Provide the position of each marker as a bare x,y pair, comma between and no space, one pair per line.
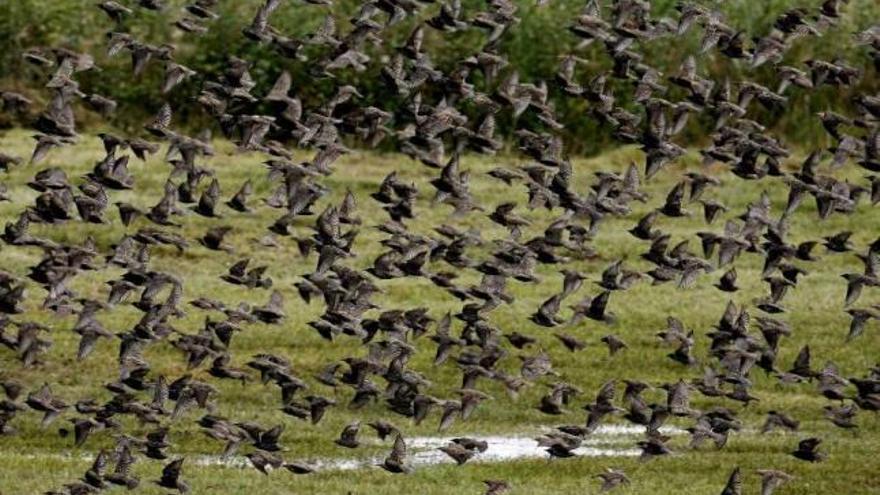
606,441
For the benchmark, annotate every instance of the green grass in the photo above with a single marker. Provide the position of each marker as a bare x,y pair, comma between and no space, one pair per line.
31,461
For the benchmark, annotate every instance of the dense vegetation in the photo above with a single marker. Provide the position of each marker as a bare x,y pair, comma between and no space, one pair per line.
532,47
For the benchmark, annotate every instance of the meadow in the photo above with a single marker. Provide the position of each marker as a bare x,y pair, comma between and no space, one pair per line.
36,460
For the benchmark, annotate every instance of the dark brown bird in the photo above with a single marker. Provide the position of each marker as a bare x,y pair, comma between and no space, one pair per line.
674,205
504,216
807,450
239,201
727,283
842,416
396,460
299,468
45,402
383,428
171,477
546,316
614,344
772,479
348,437
273,311
570,342
839,243
214,237
734,483
114,10
611,479
264,461
779,420
159,125
653,447
457,452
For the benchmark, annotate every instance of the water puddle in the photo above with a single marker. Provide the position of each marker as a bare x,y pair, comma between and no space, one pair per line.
607,441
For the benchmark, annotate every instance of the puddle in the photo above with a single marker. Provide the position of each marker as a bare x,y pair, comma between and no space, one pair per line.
607,441
506,449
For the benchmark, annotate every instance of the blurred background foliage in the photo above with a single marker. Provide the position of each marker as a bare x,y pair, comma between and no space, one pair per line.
533,47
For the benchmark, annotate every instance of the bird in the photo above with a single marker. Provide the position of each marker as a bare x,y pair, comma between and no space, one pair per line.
171,477
114,10
571,343
158,127
121,472
727,283
395,462
383,429
348,437
504,216
299,468
546,315
734,483
772,479
457,452
273,310
779,420
44,401
214,237
807,450
265,462
842,417
611,479
239,201
614,344
653,447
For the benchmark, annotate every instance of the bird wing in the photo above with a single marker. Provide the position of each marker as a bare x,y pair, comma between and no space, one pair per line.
239,269
398,451
163,118
734,483
171,471
606,393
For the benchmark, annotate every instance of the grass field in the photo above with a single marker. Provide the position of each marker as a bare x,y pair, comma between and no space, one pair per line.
34,461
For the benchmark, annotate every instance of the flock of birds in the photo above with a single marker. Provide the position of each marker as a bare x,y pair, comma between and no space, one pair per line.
436,121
